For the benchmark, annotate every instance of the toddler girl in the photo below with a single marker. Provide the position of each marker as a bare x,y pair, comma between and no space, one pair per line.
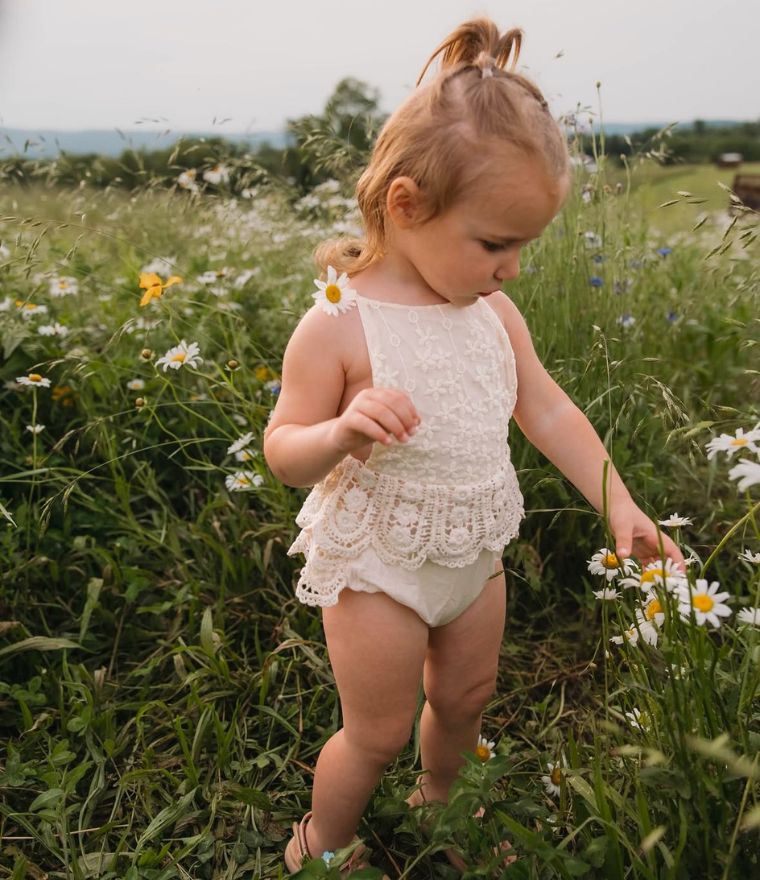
396,396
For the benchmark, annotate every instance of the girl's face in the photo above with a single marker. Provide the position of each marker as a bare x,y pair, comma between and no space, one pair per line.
474,246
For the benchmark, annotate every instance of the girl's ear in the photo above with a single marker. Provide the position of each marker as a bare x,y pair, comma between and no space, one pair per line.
404,202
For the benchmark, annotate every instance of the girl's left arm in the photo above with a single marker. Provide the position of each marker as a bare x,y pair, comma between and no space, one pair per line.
557,428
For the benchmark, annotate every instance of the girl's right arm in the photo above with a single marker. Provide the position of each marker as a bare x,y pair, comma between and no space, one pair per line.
305,438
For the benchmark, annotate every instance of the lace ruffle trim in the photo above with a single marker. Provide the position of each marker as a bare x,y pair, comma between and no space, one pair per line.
406,522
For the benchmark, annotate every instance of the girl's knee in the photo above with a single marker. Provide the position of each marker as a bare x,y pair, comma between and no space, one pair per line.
380,743
461,704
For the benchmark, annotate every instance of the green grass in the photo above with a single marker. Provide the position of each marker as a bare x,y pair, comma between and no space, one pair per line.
163,696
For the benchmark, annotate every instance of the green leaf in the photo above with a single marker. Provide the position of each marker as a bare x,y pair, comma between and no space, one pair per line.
47,799
38,643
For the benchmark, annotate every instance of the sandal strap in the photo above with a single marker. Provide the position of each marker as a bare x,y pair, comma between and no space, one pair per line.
299,835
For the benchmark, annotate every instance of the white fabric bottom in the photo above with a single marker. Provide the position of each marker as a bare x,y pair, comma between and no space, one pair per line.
438,594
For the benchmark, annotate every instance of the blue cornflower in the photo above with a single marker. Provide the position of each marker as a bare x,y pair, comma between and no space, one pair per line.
626,320
672,316
596,281
664,251
274,386
327,857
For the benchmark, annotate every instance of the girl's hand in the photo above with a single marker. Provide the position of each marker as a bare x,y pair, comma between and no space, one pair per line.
375,414
637,535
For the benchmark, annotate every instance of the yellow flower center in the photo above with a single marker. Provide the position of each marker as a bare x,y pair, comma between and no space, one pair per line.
610,561
649,576
180,356
244,481
62,285
556,776
739,441
34,377
703,602
332,292
653,608
483,752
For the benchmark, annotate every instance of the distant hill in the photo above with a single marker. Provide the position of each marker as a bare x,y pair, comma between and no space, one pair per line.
42,143
46,143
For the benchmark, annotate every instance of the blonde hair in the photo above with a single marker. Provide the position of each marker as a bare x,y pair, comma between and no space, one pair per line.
434,135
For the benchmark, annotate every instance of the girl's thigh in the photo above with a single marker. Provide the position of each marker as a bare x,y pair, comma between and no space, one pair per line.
377,651
463,655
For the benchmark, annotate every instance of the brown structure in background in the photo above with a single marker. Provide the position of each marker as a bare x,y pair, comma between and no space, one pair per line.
747,188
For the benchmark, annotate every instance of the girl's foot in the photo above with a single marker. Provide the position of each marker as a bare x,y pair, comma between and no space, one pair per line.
297,852
456,859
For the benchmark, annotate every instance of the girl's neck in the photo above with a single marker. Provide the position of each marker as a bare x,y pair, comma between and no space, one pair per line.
393,278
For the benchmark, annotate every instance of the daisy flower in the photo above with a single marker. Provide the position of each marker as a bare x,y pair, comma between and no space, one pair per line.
606,562
55,329
334,296
653,612
243,481
154,287
705,601
241,448
35,429
674,520
750,616
630,635
626,320
638,719
65,285
136,384
606,593
746,472
27,308
217,174
187,180
667,575
749,556
731,444
553,780
182,354
485,749
33,379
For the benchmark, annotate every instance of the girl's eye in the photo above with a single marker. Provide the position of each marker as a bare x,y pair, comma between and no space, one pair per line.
492,246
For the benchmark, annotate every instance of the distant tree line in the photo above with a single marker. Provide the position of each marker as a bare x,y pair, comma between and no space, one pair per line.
333,144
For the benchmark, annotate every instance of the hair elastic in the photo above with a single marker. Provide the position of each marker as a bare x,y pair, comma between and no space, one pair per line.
486,71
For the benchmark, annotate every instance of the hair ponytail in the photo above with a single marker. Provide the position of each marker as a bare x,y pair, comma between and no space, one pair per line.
474,44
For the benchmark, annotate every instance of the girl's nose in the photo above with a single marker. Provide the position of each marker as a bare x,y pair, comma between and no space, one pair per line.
509,268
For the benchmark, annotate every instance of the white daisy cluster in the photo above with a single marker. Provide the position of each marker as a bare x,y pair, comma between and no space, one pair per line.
243,480
747,471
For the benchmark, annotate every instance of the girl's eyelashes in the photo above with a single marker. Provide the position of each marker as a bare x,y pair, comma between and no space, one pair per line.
493,246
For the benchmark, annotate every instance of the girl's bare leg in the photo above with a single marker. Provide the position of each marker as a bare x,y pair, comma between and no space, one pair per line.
459,679
377,649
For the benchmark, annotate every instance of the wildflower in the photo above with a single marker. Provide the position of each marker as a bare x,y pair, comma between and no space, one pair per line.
746,472
653,611
334,296
638,719
136,384
606,593
606,562
211,276
750,616
218,174
598,258
485,749
327,857
232,364
243,481
35,429
626,320
592,239
738,443
671,317
33,379
596,281
182,354
63,394
160,264
63,286
705,601
274,386
187,180
154,287
28,308
675,520
664,251
553,780
240,443
629,635
55,329
749,556
656,573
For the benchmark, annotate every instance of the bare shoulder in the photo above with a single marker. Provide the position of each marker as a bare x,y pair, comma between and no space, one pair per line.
512,319
314,368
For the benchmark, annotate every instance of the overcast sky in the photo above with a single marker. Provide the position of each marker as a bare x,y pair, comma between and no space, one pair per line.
182,64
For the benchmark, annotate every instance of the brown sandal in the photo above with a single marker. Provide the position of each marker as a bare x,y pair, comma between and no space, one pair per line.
297,851
453,855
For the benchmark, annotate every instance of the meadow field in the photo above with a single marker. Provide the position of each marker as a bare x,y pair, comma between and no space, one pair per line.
163,696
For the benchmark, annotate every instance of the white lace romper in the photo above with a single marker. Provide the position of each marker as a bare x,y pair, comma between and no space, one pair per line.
422,521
